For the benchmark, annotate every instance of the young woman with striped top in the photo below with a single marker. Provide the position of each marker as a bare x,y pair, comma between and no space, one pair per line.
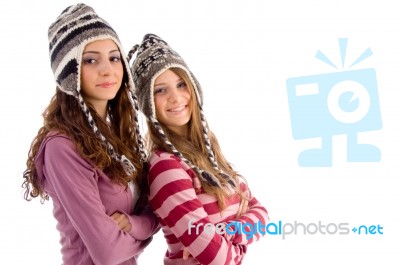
207,213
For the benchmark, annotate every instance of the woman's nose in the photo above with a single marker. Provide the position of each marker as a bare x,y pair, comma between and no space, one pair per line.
174,95
105,67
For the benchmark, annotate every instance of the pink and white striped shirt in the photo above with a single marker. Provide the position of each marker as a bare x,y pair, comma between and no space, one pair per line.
178,200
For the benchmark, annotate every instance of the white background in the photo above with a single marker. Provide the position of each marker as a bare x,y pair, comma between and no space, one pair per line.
242,52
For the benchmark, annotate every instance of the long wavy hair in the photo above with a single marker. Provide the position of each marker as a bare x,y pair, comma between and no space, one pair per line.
194,148
64,116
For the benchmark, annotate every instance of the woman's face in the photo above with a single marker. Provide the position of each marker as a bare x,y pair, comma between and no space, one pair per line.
172,102
101,73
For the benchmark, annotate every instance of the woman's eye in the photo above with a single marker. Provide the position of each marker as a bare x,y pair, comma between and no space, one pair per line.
89,61
159,90
115,58
182,85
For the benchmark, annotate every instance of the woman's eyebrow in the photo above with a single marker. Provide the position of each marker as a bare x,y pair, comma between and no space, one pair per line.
97,52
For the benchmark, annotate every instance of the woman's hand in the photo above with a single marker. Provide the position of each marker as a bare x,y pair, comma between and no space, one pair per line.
186,254
122,221
243,207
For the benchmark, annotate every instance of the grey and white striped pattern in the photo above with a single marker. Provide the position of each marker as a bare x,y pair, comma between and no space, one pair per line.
73,29
154,56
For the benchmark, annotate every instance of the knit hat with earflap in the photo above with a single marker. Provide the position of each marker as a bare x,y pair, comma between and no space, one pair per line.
74,28
154,56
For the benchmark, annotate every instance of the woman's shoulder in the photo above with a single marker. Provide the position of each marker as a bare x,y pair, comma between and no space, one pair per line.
57,141
56,148
56,145
161,161
160,155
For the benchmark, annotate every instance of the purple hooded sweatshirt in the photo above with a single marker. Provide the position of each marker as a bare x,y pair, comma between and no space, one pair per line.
83,199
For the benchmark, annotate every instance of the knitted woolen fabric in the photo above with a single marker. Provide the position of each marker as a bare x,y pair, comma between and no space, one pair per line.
73,29
154,56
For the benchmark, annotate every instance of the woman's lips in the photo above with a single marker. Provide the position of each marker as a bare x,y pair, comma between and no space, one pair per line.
107,84
178,109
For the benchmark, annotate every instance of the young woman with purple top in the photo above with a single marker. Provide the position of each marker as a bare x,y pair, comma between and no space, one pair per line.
88,156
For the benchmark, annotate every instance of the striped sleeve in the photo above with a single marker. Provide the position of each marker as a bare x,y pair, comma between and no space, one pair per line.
173,198
251,224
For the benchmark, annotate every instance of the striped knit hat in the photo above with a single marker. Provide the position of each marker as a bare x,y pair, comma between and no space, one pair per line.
74,28
154,56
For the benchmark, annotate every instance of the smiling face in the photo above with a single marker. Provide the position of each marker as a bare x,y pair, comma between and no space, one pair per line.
172,102
101,73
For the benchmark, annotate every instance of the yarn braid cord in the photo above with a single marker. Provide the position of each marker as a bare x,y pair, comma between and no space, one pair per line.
127,165
132,52
204,175
139,139
210,152
134,101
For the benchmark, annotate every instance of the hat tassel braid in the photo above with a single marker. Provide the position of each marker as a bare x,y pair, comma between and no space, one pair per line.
139,139
211,156
127,165
204,175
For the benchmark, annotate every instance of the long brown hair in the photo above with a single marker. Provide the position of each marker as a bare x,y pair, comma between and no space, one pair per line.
194,148
64,116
